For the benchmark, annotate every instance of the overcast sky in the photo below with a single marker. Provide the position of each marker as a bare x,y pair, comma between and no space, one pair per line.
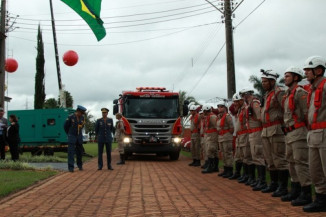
166,43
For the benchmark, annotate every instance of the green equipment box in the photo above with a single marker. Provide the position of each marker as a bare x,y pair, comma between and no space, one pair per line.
42,129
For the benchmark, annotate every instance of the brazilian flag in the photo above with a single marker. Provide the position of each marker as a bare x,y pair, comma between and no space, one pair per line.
89,10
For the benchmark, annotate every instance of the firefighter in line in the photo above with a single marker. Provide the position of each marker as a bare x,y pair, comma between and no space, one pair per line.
211,139
272,135
243,142
195,136
225,131
119,135
236,158
254,126
295,130
73,127
202,138
103,131
314,70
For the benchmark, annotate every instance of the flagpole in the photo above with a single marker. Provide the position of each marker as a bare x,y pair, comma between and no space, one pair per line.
61,91
2,53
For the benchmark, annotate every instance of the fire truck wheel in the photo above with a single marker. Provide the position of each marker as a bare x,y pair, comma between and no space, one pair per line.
174,155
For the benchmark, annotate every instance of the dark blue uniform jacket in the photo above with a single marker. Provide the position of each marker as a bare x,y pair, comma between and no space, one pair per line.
73,128
104,130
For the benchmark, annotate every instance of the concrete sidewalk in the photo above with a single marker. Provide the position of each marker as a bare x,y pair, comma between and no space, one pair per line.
145,186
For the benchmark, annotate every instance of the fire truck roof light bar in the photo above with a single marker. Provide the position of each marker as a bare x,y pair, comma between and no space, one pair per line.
147,89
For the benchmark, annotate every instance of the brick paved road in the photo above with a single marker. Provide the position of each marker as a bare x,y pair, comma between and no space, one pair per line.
144,187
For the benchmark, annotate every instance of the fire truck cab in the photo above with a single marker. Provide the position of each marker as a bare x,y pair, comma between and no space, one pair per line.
152,121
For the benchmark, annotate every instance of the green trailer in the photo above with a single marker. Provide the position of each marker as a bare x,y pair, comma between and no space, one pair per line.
42,130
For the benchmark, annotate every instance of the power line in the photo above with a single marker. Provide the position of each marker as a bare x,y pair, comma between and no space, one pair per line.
250,13
205,72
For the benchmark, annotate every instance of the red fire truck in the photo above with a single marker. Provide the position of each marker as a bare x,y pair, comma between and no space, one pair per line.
152,121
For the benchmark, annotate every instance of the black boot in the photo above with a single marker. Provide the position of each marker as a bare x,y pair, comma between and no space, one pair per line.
283,187
216,161
222,173
274,182
192,163
252,175
210,167
122,161
245,174
294,193
261,184
319,204
197,163
205,164
304,197
238,166
229,172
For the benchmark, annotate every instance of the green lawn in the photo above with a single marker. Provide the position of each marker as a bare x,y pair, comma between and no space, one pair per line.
18,175
12,181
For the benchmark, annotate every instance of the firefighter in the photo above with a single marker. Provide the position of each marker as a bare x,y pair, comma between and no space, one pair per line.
103,130
202,140
243,141
73,127
272,134
195,136
211,139
119,135
225,131
237,158
254,131
314,70
295,114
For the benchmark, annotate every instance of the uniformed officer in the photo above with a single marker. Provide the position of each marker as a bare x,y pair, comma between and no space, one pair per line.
225,138
272,134
103,131
3,127
295,130
211,138
202,139
314,70
195,136
243,142
255,128
119,135
73,127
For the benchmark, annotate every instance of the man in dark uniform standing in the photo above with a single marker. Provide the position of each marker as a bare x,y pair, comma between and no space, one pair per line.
73,127
3,127
103,130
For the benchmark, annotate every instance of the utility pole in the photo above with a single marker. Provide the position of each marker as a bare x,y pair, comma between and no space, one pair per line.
2,53
227,8
61,90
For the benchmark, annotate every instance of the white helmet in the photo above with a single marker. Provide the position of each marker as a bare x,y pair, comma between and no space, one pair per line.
295,70
222,102
314,61
206,107
236,97
270,74
192,108
246,90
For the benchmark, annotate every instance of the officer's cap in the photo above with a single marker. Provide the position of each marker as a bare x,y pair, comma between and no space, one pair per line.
81,108
104,110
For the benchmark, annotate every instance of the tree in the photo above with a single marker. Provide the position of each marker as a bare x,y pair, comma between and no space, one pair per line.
39,95
69,100
89,122
51,103
183,97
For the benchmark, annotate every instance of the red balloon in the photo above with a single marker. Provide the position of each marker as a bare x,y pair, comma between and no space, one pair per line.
11,65
70,58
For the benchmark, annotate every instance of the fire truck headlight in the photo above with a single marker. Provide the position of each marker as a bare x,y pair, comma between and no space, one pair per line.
126,140
176,140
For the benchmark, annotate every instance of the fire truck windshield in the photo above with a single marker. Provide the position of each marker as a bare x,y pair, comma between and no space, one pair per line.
151,108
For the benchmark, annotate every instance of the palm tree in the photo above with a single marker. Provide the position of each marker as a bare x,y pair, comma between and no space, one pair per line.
257,84
184,97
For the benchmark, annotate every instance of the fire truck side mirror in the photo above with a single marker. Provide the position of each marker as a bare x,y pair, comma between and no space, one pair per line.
185,110
115,106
